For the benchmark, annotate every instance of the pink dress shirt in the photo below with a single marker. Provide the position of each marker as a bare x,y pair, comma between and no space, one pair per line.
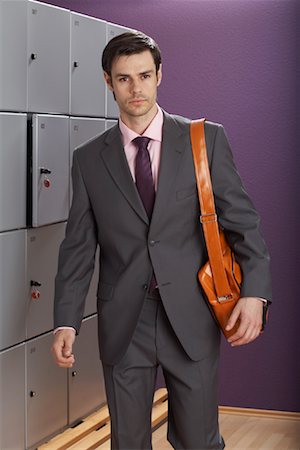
154,132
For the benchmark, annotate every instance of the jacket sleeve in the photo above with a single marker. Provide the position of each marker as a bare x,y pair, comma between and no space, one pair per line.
240,220
76,256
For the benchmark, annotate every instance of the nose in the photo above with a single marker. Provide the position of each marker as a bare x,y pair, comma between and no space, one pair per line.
136,86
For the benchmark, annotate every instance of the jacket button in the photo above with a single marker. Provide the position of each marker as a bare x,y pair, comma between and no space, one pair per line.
152,243
145,287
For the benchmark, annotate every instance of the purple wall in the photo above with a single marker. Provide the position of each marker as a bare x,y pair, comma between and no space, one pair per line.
235,62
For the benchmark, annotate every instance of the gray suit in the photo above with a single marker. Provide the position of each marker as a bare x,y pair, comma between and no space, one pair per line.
107,210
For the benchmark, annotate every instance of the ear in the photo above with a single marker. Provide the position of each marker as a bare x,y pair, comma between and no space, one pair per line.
159,75
108,81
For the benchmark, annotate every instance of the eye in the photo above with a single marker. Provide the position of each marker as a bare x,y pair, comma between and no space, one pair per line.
146,75
123,79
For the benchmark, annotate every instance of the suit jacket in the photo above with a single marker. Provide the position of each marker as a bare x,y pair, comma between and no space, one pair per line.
107,210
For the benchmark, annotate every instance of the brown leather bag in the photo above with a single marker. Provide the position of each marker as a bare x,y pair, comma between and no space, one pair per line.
221,276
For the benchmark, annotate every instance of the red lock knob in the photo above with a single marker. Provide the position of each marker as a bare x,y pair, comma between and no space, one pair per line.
35,295
47,183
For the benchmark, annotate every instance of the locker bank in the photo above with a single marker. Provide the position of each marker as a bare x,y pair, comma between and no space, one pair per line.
52,99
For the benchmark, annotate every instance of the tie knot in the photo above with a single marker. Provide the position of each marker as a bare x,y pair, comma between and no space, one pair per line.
141,142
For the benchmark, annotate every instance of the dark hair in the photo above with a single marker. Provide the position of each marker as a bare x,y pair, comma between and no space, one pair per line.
129,43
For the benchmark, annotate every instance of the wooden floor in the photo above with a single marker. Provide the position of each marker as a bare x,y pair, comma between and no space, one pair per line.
243,432
242,429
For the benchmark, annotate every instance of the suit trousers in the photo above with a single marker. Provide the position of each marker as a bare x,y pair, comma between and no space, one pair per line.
191,385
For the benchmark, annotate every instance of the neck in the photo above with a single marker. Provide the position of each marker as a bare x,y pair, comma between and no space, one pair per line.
139,124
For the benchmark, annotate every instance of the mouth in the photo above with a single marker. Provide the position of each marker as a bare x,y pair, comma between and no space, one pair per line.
137,101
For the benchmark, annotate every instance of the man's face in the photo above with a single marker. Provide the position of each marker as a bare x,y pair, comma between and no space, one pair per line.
134,82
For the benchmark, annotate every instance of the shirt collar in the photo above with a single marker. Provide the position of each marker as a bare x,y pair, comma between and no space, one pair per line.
154,130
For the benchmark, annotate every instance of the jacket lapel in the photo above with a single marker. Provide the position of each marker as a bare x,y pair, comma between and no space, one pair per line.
115,160
173,147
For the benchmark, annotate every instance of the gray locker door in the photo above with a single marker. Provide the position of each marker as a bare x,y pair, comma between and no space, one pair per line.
88,39
50,152
110,123
46,392
48,58
42,257
13,55
12,288
82,129
112,109
12,399
13,166
86,383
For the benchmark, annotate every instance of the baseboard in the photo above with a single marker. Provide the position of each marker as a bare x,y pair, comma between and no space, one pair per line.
264,413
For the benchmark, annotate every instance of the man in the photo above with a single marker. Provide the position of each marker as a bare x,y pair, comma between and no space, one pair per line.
150,306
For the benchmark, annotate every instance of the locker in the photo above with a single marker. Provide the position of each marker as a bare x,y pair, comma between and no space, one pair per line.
12,288
86,383
112,109
46,392
81,130
50,169
12,399
88,39
13,161
13,55
110,123
48,58
42,257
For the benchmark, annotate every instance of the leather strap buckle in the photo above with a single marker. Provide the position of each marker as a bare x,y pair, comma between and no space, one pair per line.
207,218
224,298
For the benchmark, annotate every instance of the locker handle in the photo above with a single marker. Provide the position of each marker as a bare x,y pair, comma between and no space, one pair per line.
33,56
35,293
76,63
74,373
45,171
32,393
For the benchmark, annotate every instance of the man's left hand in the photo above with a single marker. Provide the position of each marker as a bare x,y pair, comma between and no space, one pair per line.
249,310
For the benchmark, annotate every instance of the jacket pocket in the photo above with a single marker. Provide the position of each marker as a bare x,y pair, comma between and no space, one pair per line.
185,193
105,291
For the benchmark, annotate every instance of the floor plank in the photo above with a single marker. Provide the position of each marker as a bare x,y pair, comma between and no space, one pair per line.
247,433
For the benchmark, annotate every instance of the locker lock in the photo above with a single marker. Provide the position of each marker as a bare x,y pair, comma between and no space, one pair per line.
45,172
32,393
76,63
74,373
35,293
33,56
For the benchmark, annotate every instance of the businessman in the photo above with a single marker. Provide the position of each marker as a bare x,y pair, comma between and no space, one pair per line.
135,196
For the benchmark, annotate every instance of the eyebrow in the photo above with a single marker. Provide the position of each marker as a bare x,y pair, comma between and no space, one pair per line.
141,73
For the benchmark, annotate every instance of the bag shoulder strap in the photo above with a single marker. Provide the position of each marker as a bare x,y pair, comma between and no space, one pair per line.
208,216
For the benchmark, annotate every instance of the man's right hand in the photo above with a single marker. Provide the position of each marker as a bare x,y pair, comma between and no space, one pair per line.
62,348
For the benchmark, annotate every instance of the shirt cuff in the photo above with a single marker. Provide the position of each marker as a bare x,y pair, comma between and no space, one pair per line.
63,328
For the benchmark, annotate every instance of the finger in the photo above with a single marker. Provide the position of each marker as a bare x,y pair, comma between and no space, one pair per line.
250,335
240,332
65,365
233,318
67,348
62,361
59,355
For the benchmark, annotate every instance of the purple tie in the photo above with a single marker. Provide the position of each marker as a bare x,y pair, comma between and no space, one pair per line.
143,174
144,182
